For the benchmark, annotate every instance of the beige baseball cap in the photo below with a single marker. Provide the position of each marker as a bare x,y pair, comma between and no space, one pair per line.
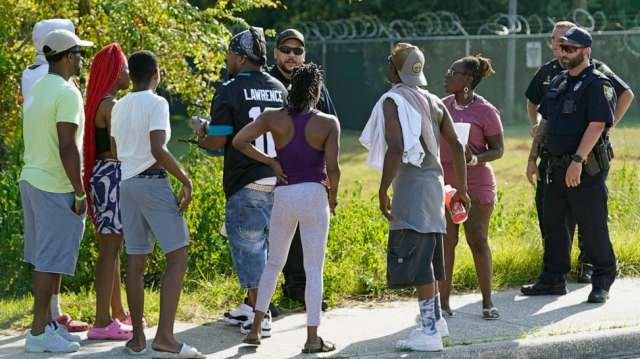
63,40
409,61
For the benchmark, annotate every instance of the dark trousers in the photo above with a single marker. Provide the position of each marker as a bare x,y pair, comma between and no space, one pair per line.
542,168
295,278
585,205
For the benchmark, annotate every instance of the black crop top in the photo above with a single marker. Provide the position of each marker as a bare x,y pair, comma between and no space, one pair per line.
103,143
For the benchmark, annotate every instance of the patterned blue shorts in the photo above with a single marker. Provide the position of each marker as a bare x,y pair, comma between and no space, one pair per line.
104,188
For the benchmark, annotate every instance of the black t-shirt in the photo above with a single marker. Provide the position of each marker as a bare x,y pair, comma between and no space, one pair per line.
324,105
540,83
571,104
235,104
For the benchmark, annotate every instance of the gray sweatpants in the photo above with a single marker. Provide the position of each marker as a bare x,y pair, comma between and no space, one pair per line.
307,204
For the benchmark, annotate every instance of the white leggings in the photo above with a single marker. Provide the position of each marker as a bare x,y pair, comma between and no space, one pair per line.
307,204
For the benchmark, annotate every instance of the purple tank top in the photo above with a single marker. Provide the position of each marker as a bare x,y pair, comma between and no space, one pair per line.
301,162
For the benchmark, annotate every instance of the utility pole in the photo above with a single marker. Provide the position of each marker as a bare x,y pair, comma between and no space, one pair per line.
511,65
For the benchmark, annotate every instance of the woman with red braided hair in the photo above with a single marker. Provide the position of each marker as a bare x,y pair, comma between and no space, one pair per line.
109,74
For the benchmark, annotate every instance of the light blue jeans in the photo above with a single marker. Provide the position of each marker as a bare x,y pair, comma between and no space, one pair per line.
247,215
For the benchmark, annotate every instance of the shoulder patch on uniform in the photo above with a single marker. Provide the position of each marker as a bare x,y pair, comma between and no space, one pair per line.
608,92
605,69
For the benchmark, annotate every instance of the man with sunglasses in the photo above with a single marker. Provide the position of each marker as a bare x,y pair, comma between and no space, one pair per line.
289,53
576,113
30,76
535,94
53,197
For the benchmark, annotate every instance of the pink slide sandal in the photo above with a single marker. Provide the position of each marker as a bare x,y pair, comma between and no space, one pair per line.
113,331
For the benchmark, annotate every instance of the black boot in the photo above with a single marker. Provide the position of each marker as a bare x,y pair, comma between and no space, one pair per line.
585,272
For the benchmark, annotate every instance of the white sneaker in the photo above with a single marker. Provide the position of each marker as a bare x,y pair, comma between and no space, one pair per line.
49,341
240,315
419,341
245,328
442,327
62,331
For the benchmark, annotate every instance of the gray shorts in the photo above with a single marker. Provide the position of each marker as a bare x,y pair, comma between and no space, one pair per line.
149,209
52,230
414,259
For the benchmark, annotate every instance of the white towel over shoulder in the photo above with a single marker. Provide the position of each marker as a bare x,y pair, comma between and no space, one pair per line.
373,135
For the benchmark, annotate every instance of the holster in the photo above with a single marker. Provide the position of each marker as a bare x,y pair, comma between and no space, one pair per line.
600,157
592,166
543,153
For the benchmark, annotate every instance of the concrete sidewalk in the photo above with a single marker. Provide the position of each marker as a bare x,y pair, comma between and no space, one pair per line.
531,327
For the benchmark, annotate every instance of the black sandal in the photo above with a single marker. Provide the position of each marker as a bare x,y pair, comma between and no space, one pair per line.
324,348
246,340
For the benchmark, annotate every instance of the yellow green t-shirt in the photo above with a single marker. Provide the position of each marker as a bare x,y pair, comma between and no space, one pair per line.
49,101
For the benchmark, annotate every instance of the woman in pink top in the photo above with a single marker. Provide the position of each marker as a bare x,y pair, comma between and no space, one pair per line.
485,145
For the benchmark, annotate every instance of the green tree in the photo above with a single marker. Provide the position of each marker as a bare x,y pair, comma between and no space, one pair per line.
191,46
190,42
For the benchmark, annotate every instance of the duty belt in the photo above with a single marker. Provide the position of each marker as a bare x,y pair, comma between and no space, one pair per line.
260,187
561,161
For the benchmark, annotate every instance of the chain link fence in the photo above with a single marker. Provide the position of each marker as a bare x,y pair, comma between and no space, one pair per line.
354,53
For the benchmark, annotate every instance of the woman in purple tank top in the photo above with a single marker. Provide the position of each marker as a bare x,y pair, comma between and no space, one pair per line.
307,144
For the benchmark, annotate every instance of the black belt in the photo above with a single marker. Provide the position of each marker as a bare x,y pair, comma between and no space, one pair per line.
560,161
159,173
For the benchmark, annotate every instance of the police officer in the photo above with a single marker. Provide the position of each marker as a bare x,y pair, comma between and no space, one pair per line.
289,53
576,112
535,93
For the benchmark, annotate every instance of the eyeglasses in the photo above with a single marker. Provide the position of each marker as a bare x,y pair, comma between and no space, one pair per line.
451,72
82,53
288,49
570,49
556,39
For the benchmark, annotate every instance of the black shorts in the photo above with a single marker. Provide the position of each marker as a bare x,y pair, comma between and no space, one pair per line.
414,259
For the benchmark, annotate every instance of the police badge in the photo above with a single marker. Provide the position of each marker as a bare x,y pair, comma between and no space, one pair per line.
608,92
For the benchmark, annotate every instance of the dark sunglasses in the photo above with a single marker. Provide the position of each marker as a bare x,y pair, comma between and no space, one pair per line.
451,72
570,49
288,49
562,88
82,53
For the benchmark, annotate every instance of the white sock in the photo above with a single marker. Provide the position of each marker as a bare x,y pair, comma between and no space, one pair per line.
56,311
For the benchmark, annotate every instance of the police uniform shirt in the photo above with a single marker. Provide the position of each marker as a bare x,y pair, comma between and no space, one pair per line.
235,104
540,83
324,105
571,104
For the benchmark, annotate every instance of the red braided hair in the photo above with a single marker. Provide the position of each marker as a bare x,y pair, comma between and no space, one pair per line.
105,69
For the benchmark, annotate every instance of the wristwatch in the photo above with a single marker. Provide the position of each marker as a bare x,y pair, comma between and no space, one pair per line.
577,158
